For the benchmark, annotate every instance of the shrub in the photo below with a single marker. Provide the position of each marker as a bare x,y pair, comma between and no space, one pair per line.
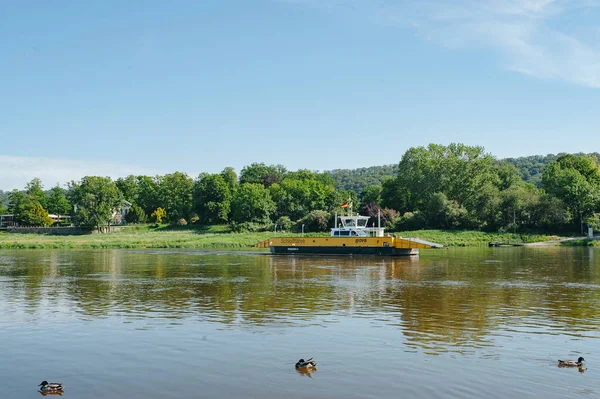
315,221
284,223
158,215
181,222
249,227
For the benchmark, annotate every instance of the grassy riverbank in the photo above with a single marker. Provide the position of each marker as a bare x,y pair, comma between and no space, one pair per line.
222,237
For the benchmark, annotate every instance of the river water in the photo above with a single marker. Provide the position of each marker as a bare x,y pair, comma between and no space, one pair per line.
458,323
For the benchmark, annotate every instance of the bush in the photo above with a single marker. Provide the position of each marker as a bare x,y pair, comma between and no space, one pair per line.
158,215
136,215
284,223
181,222
410,221
315,221
194,219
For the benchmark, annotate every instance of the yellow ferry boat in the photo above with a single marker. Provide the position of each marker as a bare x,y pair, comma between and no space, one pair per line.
351,237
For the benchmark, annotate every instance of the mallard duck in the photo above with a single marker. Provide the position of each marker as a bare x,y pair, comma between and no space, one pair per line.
51,386
571,363
306,364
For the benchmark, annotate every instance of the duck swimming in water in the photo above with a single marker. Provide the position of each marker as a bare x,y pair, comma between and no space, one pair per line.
571,363
306,364
51,387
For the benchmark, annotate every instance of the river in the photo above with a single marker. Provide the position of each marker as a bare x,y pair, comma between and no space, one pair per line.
453,323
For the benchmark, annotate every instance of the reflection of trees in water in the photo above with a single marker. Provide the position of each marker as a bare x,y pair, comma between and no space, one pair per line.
450,301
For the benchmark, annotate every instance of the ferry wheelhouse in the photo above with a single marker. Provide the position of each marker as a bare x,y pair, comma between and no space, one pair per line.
350,236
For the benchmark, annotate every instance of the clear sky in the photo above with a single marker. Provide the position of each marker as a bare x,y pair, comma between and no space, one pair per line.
118,87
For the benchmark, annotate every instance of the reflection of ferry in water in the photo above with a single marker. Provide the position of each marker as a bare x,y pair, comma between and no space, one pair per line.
351,237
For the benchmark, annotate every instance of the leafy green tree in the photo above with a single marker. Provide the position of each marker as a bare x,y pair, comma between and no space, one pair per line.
129,187
35,190
371,194
296,197
575,180
212,199
175,195
228,174
33,214
252,203
57,202
16,199
259,173
148,195
462,173
95,200
136,215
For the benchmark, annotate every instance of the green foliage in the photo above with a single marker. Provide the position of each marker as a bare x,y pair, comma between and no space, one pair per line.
57,202
175,195
35,191
95,200
212,198
295,197
252,203
445,214
576,181
315,221
284,223
129,187
371,194
136,215
358,180
228,174
259,173
249,227
33,214
158,216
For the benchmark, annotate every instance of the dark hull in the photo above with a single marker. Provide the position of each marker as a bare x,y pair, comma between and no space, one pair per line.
339,250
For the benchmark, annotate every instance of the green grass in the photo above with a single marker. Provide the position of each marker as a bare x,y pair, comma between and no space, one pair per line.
581,243
471,238
146,236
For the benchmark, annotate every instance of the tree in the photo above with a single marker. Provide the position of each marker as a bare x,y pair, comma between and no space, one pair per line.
57,202
575,180
35,190
371,194
230,177
33,214
148,196
212,199
136,215
95,200
129,187
462,173
259,173
251,203
175,195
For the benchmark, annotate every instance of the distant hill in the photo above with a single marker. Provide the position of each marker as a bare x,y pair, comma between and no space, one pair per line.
530,168
359,179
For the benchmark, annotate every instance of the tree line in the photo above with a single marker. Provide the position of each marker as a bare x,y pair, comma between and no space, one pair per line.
447,187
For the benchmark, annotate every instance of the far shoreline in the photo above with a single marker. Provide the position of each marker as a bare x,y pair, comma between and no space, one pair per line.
221,237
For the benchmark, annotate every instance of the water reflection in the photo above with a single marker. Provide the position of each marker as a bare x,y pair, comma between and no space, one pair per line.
440,303
403,323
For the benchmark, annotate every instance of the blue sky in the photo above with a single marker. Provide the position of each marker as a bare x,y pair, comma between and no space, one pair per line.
113,88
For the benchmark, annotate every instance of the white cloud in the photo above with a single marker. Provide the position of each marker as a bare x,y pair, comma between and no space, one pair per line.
547,39
15,171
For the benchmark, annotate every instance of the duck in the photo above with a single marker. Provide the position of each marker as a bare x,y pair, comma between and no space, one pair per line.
306,364
571,363
51,386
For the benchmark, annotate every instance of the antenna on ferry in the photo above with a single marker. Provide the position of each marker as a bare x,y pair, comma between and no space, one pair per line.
335,220
379,218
